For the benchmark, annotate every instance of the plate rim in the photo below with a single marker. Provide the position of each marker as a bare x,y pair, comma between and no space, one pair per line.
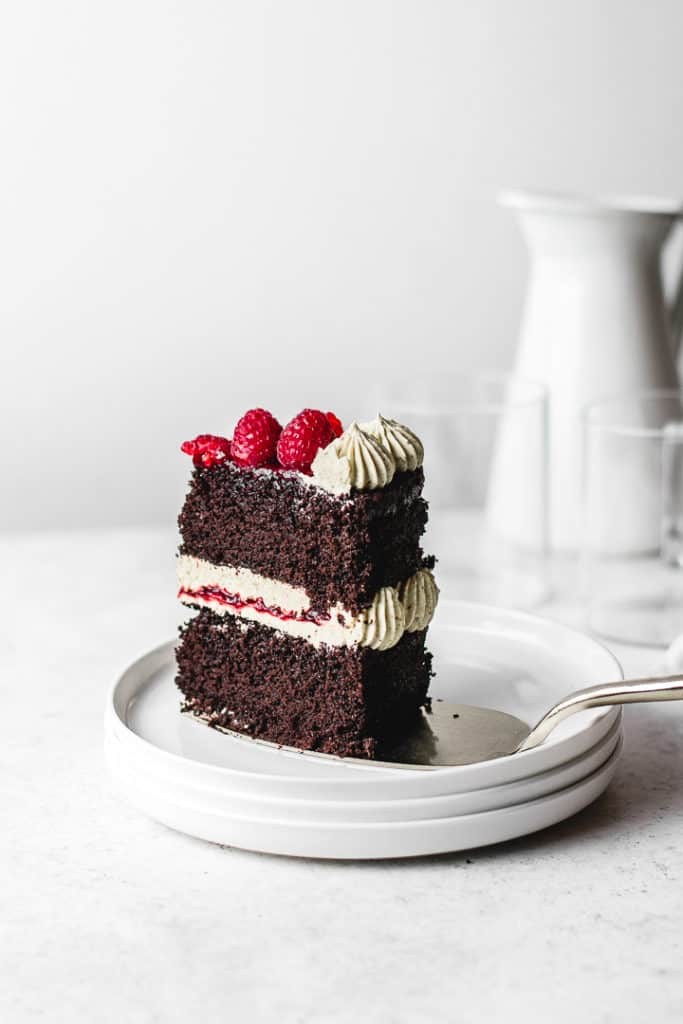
423,837
271,802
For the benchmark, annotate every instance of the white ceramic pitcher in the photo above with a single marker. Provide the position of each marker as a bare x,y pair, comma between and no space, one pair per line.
595,323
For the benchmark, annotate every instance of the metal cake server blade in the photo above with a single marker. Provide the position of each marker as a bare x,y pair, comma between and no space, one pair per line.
455,734
449,735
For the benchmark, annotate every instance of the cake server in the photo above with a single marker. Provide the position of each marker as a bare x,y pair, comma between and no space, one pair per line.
457,734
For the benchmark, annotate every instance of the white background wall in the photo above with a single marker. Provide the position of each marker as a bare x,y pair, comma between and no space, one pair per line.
206,206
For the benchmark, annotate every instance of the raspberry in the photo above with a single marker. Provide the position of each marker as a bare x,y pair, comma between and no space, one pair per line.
302,438
336,424
255,439
207,449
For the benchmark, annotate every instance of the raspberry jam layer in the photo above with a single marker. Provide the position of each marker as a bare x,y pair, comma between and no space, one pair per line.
238,603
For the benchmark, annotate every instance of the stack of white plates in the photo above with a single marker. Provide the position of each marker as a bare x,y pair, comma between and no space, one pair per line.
243,793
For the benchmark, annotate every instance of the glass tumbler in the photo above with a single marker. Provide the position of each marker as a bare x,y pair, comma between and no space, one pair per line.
632,556
485,481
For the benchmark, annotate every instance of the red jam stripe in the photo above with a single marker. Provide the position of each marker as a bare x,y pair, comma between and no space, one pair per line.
236,601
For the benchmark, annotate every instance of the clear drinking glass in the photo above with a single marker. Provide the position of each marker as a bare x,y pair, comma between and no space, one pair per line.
485,440
632,557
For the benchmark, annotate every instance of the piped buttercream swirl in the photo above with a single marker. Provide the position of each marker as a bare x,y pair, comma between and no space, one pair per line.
354,460
400,442
382,624
419,596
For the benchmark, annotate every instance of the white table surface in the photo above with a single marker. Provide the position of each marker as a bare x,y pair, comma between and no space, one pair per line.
107,916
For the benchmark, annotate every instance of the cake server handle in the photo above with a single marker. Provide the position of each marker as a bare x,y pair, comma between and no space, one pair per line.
627,691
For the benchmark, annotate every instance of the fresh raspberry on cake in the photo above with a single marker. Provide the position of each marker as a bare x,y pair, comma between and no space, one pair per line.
336,424
302,438
254,442
207,449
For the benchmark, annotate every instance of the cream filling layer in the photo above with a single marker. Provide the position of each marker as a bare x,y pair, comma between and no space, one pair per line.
231,590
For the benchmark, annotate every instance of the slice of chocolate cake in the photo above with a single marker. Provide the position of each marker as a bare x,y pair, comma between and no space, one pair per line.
301,551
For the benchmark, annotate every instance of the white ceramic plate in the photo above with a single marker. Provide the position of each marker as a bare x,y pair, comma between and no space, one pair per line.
485,656
134,774
363,840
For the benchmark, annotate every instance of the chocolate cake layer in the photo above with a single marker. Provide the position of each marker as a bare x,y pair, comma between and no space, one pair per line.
345,701
339,549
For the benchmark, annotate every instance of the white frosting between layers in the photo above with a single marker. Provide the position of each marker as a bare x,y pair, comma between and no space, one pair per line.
194,573
380,626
